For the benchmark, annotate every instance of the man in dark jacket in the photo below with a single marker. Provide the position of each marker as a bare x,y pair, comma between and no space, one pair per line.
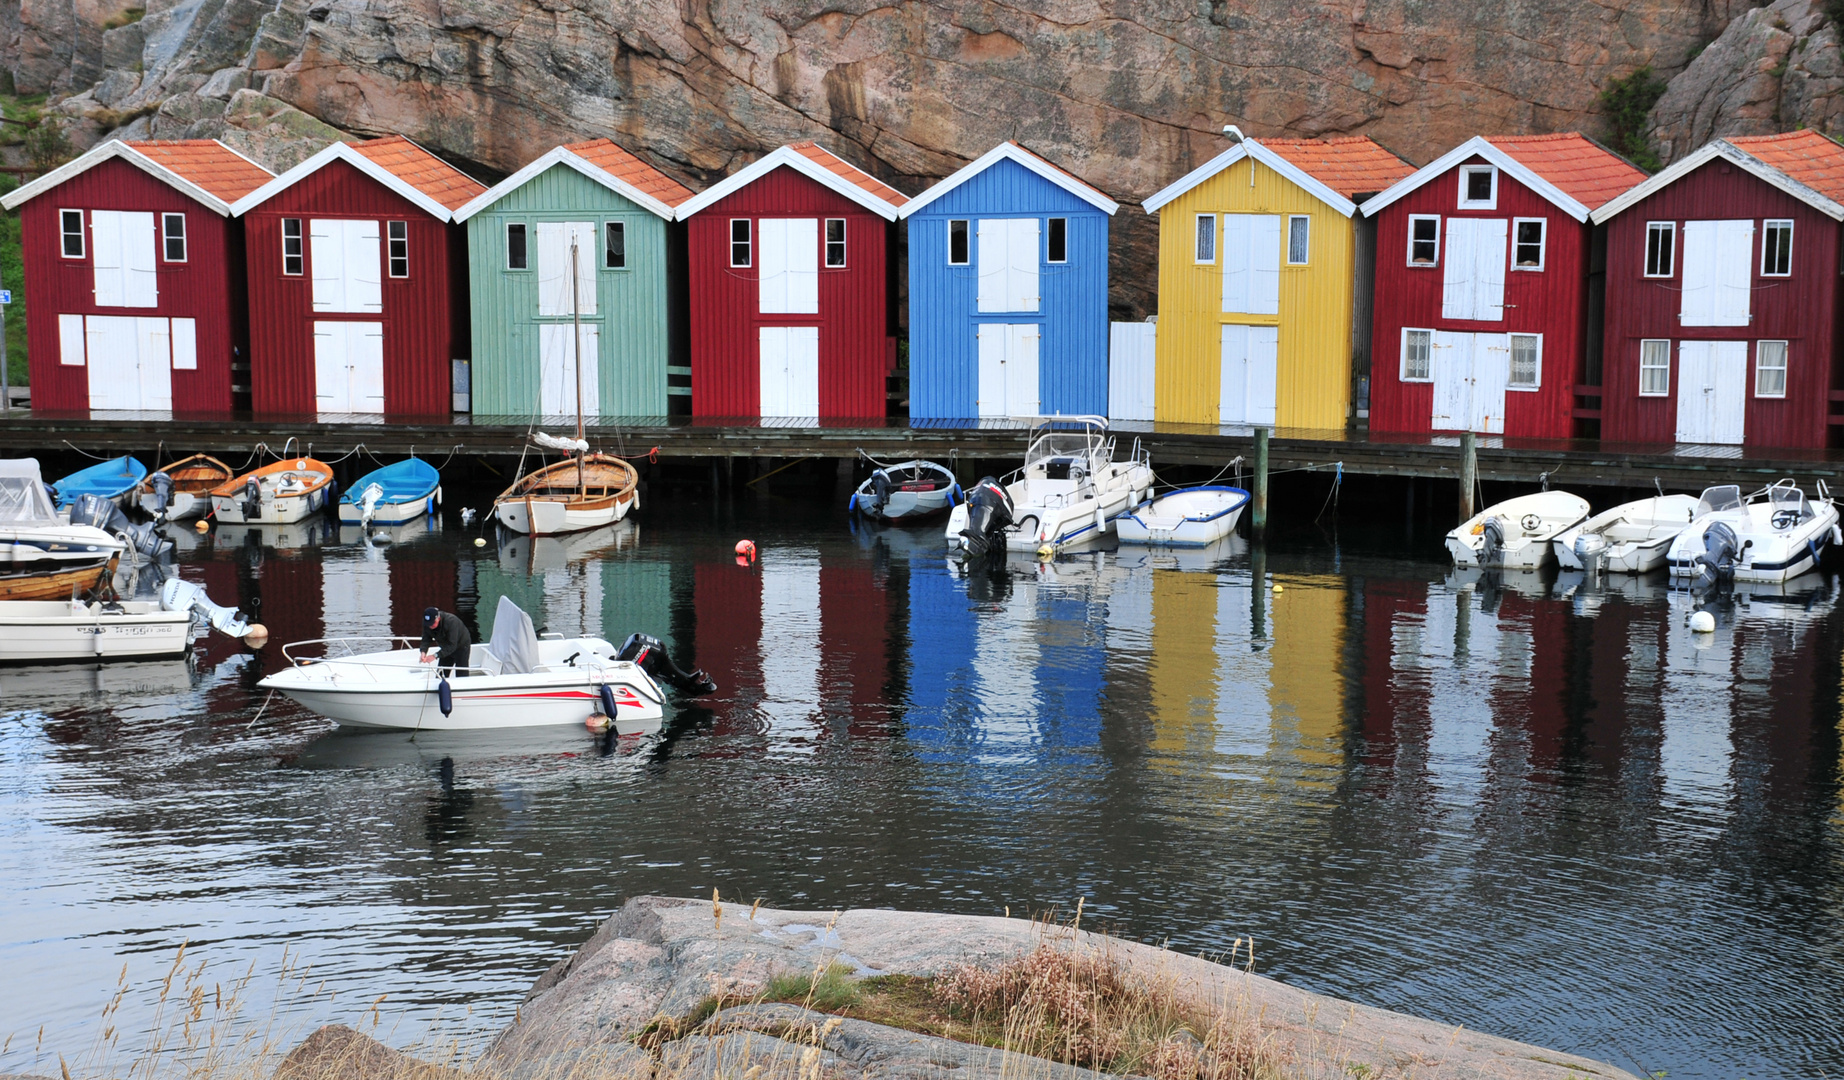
448,634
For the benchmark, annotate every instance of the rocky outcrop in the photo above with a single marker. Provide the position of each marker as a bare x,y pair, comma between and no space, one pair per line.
336,1052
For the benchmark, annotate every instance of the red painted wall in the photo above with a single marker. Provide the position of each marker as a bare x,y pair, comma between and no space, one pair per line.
854,310
1802,309
1552,302
420,316
205,287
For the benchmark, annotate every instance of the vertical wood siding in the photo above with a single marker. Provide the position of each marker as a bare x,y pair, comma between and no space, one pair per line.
943,300
1313,370
631,304
853,319
420,336
1552,302
1801,310
204,287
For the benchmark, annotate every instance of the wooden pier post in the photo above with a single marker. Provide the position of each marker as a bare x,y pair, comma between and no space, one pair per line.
1258,518
1469,472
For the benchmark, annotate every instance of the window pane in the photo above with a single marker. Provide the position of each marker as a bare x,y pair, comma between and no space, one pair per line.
1777,249
1297,232
1523,360
73,233
1059,240
1478,185
1206,238
835,241
1530,244
515,247
614,245
957,243
1416,361
1770,369
399,234
173,236
1654,368
1424,235
292,263
739,242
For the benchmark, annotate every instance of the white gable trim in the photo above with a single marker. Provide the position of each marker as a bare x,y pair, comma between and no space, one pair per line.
341,151
563,155
1252,148
1479,146
116,148
1733,154
800,163
1007,151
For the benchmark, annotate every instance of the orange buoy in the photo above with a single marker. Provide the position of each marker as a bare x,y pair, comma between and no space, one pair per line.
746,548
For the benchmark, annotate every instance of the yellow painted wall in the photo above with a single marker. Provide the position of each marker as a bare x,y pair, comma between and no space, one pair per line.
1314,362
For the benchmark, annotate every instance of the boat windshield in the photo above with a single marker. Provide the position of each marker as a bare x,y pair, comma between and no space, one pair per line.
1721,497
22,493
1788,497
1087,444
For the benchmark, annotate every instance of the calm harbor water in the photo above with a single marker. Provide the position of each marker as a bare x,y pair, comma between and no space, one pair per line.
1528,807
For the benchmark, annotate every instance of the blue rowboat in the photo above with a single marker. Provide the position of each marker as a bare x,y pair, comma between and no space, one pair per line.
398,492
111,480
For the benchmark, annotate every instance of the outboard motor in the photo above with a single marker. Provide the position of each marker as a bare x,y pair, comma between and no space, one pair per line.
252,499
1589,547
95,510
649,654
177,595
1720,551
989,511
368,503
1492,542
880,491
162,486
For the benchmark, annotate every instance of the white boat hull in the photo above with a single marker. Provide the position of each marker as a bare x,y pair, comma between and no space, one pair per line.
912,504
393,513
1530,523
282,510
48,630
1767,553
1183,519
548,517
181,506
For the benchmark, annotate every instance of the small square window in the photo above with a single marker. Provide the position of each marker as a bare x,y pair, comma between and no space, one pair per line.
516,252
1777,250
1527,246
173,237
1654,367
1299,236
959,253
293,264
1478,187
1770,369
739,241
1058,243
70,222
398,233
1417,355
1661,248
1206,238
614,245
835,241
1526,362
1424,240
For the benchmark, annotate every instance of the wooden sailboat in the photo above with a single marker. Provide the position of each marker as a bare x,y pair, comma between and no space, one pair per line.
585,491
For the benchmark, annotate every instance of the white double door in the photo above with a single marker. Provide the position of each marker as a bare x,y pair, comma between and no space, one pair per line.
1470,373
130,359
788,266
1009,369
1712,391
558,363
348,367
1473,276
1009,258
122,258
558,294
1718,273
1246,388
790,370
347,266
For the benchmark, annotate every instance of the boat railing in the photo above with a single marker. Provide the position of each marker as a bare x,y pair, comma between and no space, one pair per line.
349,647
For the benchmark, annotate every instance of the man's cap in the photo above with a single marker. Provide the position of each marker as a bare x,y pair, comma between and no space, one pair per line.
430,614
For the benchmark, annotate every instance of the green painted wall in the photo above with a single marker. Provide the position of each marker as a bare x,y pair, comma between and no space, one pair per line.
631,304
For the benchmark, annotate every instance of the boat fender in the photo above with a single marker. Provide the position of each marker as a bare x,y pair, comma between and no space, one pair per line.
445,697
1702,622
607,694
1837,536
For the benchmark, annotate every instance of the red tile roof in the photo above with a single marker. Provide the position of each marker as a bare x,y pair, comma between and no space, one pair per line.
1353,165
421,170
1806,156
1588,172
208,163
623,166
850,172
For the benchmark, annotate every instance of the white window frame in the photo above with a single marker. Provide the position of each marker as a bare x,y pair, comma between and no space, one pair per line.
748,242
966,234
167,237
1049,227
1413,218
1488,203
610,228
392,240
1665,367
826,243
300,239
1197,236
1402,356
1524,388
1542,225
524,239
1784,366
1669,228
1767,229
1307,221
83,242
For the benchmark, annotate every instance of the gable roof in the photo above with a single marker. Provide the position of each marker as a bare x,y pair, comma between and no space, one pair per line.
204,170
1804,164
1330,170
817,164
1011,151
603,163
1570,170
431,184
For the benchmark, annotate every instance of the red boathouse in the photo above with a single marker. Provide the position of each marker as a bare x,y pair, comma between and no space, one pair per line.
136,272
358,281
1481,309
1722,297
793,291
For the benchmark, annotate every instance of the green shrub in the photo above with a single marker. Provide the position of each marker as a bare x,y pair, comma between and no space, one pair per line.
1627,103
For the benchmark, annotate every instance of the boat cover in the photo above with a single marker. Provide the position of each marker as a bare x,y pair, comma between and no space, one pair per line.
22,492
514,642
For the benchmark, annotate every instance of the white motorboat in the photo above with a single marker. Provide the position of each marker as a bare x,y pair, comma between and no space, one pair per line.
1632,538
1772,535
39,630
1516,534
280,493
1188,517
1065,497
515,680
43,557
906,491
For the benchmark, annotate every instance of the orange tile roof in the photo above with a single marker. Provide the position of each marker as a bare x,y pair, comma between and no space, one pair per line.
834,164
1806,156
1352,165
1588,172
623,166
421,170
208,163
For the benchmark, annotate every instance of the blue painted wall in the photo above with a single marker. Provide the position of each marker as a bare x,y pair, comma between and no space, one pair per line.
944,299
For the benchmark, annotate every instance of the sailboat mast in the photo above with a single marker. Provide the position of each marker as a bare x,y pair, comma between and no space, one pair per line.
576,335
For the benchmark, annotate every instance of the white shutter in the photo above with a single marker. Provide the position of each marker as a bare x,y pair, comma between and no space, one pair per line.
1734,272
364,268
1021,369
1694,384
804,369
803,267
70,340
1697,303
772,266
1728,404
154,364
326,240
185,344
994,264
1263,370
772,350
1489,277
1132,348
553,269
1236,268
1450,364
365,367
992,381
589,258
114,378
556,371
1457,275
1491,372
1265,265
330,367
106,258
140,278
1023,254
1233,380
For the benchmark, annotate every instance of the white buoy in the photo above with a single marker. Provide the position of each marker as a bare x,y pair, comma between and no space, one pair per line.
480,541
1702,622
